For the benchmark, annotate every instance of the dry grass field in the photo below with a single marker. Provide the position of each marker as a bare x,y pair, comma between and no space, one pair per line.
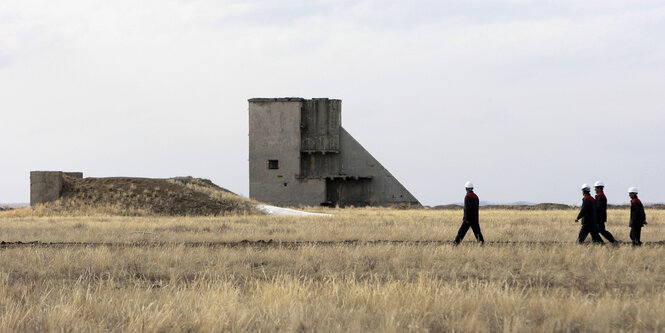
378,270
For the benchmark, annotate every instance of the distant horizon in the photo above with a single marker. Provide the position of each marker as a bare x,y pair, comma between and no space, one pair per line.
482,203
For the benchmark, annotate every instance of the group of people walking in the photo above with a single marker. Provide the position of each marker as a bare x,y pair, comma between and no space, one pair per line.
593,215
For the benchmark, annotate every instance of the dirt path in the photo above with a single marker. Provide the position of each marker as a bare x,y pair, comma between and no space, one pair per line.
273,243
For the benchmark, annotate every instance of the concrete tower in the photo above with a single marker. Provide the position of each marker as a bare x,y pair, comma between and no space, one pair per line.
299,154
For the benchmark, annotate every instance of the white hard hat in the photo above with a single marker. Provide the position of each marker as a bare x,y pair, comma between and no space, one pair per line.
468,184
632,190
585,187
599,183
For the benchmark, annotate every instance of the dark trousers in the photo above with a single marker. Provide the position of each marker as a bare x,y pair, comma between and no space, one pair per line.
589,229
465,227
605,233
635,233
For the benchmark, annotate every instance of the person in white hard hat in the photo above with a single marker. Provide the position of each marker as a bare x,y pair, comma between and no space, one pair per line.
601,211
588,216
638,218
470,219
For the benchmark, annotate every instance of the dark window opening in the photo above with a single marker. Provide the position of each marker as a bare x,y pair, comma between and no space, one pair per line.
285,184
273,164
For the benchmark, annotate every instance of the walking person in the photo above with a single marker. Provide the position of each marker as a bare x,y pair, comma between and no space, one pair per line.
588,216
638,218
470,219
601,211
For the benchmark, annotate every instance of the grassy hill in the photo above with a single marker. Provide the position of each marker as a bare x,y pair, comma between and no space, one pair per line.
180,196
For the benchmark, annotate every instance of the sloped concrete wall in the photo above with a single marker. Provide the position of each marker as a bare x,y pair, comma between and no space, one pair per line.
384,188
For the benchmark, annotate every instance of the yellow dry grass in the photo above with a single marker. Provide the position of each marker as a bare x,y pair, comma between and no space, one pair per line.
174,274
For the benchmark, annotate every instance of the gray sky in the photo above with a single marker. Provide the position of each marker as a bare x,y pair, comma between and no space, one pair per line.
528,99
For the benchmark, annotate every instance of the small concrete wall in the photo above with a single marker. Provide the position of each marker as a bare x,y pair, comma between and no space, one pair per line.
46,186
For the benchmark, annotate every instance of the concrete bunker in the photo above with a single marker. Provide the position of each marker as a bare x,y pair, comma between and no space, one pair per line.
299,154
46,186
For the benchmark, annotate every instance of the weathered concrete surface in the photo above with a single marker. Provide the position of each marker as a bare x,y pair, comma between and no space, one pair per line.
46,186
384,188
320,125
275,135
319,162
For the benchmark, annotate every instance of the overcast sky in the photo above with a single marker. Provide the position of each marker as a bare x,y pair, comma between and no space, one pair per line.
528,99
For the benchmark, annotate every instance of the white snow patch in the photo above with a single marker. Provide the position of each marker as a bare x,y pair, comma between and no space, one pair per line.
14,205
279,211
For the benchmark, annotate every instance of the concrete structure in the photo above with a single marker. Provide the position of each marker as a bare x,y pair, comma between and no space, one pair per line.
299,154
46,186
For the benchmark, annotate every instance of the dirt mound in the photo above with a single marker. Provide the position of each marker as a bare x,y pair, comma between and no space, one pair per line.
180,196
540,206
198,182
448,207
406,206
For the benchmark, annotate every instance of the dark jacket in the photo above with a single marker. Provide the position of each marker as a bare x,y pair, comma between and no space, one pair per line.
637,215
601,208
588,211
471,204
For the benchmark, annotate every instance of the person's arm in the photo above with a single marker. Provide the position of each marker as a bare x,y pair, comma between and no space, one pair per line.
643,215
467,209
582,210
601,211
